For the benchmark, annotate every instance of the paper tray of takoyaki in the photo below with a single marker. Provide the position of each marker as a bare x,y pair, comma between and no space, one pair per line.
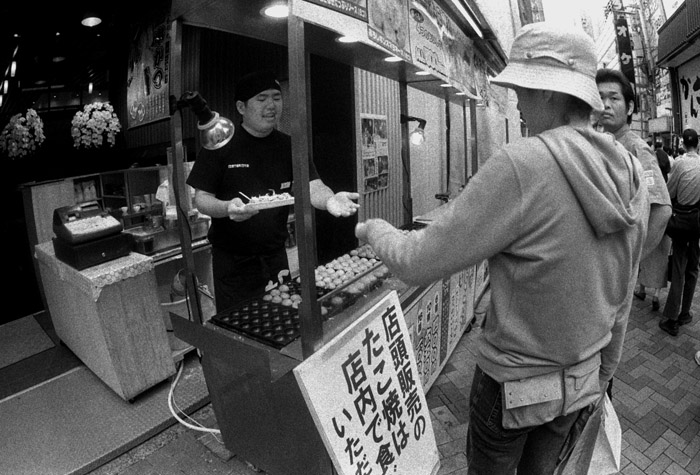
268,201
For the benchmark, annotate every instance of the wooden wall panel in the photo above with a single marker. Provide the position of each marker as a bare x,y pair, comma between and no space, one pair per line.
376,94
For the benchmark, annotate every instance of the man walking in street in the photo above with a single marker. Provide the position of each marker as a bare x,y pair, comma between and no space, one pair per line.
684,188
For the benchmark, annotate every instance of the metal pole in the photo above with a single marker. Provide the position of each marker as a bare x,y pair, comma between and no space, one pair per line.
311,324
178,176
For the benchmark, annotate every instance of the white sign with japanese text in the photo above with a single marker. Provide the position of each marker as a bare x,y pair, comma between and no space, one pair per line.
364,392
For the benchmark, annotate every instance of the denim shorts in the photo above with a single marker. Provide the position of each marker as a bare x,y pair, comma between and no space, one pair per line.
494,450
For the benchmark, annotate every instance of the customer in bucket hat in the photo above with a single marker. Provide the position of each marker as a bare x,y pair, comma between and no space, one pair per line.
561,217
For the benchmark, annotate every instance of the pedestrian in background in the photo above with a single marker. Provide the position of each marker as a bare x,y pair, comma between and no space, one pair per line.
619,101
684,188
561,217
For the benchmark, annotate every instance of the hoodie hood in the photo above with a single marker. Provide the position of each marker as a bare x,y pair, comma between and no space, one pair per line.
606,178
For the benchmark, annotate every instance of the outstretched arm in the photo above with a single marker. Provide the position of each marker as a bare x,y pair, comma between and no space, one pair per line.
337,204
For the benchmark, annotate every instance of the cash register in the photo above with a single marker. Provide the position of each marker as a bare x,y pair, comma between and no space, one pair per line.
87,236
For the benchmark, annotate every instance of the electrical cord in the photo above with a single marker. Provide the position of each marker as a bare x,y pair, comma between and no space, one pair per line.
171,403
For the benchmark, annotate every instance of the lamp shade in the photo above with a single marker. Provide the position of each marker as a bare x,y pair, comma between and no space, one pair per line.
214,131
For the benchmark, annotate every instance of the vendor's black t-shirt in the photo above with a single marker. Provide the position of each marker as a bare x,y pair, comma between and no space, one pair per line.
253,166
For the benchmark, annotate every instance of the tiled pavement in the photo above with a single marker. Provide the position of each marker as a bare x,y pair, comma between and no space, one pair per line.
656,395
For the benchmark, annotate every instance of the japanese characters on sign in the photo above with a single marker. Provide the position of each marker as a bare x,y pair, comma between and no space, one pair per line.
624,48
147,88
364,393
689,89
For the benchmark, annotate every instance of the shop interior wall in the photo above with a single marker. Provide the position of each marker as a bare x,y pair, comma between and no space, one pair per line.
428,160
460,159
378,95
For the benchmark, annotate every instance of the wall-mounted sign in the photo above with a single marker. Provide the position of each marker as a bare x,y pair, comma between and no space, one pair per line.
388,26
689,92
354,8
364,392
147,83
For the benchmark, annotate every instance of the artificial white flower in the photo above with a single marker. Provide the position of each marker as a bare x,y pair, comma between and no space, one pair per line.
95,123
22,135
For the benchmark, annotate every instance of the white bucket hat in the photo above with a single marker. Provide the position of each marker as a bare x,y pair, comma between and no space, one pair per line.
546,56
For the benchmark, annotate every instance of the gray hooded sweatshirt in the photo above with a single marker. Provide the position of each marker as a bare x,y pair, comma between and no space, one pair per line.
561,218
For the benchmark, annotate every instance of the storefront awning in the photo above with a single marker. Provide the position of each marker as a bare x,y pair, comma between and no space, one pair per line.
679,37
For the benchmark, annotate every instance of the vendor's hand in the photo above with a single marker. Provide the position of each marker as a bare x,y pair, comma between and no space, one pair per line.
238,211
341,204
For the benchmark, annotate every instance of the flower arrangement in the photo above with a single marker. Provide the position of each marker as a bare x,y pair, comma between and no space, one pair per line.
22,135
95,123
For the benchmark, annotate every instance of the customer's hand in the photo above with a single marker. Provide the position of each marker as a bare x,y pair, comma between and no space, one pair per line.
341,204
238,211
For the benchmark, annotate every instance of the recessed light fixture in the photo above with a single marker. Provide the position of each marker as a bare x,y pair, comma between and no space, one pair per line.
13,69
423,73
346,39
392,59
445,85
461,93
277,10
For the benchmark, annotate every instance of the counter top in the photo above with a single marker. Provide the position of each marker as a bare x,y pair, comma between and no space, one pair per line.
93,279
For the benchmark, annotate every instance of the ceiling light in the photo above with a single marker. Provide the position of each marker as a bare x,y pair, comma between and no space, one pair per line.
277,10
90,88
58,59
423,73
91,19
346,39
445,85
461,93
392,59
13,69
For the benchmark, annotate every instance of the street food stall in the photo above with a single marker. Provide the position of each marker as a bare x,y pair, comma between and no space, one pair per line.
350,107
254,353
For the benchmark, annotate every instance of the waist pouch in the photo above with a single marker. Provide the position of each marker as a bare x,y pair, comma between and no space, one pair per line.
540,399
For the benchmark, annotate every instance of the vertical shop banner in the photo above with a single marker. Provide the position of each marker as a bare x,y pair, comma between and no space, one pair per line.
147,90
364,394
689,92
375,152
354,8
624,48
388,26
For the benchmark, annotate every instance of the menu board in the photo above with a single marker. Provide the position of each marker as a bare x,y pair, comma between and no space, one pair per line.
147,88
365,395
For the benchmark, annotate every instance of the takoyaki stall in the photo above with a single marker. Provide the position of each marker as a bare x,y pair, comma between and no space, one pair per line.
268,359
